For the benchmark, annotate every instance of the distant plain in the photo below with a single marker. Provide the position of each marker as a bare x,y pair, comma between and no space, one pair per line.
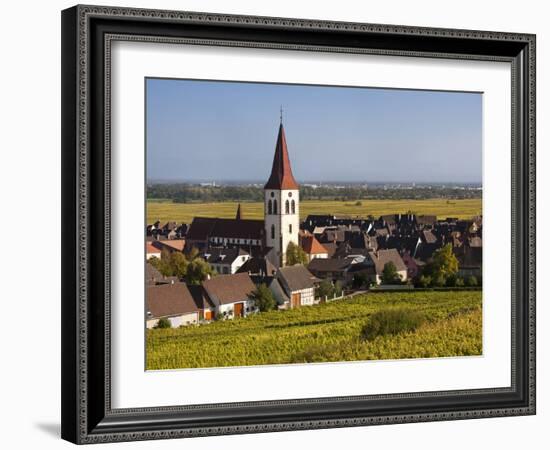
166,210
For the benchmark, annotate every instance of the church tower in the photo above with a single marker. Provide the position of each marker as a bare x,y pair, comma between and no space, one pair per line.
281,201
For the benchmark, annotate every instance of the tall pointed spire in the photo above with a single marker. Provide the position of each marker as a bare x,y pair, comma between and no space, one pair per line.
281,173
239,213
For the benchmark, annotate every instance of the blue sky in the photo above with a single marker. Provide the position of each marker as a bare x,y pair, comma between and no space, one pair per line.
226,131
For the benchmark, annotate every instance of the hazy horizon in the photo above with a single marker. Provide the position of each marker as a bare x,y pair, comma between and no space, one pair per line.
210,131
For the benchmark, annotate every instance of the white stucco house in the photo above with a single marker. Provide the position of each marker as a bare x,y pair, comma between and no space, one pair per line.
230,295
171,301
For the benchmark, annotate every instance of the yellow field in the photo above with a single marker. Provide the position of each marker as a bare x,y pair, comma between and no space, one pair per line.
184,212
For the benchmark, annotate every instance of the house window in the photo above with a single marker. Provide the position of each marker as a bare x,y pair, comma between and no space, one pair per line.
269,207
274,206
290,228
272,231
272,194
287,207
293,207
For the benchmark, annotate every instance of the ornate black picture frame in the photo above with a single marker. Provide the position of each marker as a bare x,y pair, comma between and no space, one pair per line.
87,33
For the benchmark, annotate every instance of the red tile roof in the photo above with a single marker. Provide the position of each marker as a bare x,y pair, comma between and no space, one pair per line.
150,248
312,246
170,244
281,173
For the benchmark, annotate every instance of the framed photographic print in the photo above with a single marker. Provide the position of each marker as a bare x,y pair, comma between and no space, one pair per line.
281,224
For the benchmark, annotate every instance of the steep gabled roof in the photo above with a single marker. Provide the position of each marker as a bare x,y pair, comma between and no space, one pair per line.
296,278
311,245
167,300
381,257
281,173
229,288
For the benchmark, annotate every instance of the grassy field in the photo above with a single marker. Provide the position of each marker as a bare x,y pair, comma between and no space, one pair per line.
325,333
165,210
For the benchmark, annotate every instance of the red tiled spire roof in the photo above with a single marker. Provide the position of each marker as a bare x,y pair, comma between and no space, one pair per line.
281,174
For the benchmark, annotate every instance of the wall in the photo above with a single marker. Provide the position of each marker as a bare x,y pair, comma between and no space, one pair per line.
30,186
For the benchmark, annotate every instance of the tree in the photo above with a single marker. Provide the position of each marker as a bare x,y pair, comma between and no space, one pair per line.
163,323
338,288
444,262
452,280
295,255
471,281
389,274
198,270
178,264
424,281
325,289
361,280
438,280
263,298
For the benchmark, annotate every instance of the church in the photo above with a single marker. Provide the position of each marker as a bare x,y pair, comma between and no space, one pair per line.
272,235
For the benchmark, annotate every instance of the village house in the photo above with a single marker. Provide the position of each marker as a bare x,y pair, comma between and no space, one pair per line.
151,251
380,258
205,232
312,247
294,286
207,310
414,266
171,301
226,260
229,294
334,269
260,270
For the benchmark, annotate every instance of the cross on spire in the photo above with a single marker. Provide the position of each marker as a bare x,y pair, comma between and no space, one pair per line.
281,114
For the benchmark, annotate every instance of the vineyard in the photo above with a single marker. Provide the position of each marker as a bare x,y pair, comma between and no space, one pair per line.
326,333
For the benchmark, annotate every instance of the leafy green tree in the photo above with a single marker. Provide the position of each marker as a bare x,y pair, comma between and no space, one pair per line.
263,298
178,264
295,255
154,261
198,270
165,264
389,274
361,280
338,288
424,281
324,289
438,280
451,280
163,323
444,262
471,281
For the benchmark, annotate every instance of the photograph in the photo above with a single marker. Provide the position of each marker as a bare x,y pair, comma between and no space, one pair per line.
294,224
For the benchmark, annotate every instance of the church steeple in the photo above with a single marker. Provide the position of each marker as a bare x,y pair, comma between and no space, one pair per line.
281,173
281,201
